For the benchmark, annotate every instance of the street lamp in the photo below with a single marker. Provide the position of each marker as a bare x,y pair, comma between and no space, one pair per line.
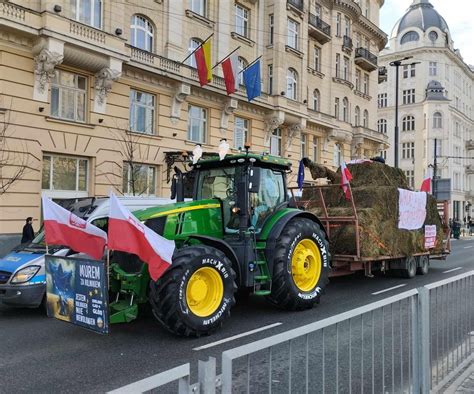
397,64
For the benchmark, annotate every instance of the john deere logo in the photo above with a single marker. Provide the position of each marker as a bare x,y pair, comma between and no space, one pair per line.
74,221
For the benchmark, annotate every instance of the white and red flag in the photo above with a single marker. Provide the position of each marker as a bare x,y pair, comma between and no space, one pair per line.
346,177
426,184
128,234
230,68
62,227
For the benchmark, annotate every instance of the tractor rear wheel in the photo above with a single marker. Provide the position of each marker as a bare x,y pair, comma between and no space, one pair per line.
300,265
423,264
195,295
409,271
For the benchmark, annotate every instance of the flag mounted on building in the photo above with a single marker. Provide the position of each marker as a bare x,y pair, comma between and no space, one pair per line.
230,68
252,80
62,227
346,178
203,62
128,234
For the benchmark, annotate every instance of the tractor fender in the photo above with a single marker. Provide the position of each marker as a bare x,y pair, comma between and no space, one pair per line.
223,247
278,228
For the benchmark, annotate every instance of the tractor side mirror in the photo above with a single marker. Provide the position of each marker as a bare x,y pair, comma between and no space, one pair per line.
254,179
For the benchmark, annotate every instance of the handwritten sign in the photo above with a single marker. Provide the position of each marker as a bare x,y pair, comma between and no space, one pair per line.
412,209
430,237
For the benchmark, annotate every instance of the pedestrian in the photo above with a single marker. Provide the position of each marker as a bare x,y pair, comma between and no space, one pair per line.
471,226
28,232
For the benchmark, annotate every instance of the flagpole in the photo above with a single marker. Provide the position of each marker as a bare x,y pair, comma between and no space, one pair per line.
251,64
226,57
192,53
47,249
107,268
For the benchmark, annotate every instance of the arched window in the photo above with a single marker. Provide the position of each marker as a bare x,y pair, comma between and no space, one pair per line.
382,126
316,100
193,44
141,33
410,36
345,109
366,118
408,123
437,120
357,116
291,84
242,64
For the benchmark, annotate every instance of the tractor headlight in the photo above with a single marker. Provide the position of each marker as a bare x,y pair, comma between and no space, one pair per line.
25,274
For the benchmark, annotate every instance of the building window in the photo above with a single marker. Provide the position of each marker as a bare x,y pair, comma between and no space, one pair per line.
316,100
293,29
336,108
242,65
304,139
382,100
193,44
410,36
439,147
271,25
197,124
347,26
345,109
408,123
317,9
315,149
366,118
408,150
317,58
270,79
338,24
275,143
198,6
357,116
142,112
241,130
383,153
63,173
433,69
291,84
437,120
410,174
409,71
89,12
346,69
382,126
366,83
337,155
358,80
68,96
241,20
338,65
139,179
409,96
141,33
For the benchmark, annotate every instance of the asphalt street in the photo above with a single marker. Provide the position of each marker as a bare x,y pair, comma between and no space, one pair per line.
44,355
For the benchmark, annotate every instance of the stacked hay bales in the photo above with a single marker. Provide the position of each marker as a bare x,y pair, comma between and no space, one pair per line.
375,192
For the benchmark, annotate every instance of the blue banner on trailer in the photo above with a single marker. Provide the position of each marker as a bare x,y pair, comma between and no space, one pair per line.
76,291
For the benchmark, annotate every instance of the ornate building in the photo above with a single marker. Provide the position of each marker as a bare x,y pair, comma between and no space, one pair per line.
89,86
436,102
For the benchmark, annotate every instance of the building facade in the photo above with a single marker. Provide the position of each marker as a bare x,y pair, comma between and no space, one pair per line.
95,93
436,103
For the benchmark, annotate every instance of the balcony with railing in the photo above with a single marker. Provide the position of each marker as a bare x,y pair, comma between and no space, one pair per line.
371,135
319,29
365,59
470,145
297,5
347,44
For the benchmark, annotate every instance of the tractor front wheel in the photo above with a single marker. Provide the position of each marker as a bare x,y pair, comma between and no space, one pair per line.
300,265
195,295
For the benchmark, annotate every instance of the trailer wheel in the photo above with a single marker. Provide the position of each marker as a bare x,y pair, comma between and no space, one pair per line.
423,265
195,295
409,271
300,265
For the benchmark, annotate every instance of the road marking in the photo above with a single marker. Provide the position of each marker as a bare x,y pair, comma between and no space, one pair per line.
467,247
390,288
452,270
244,334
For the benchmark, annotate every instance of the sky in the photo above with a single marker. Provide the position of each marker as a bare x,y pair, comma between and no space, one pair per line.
457,13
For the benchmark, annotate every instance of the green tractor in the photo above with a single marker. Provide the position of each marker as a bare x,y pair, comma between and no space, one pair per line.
240,232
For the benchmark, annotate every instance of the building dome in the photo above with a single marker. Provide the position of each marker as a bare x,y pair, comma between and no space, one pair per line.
421,15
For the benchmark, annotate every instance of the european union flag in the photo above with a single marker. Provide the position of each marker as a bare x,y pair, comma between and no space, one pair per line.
300,175
252,81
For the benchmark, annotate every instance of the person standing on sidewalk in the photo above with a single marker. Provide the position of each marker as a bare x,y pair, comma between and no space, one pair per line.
28,232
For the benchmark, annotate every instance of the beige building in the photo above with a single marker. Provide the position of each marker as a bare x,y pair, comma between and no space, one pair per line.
84,82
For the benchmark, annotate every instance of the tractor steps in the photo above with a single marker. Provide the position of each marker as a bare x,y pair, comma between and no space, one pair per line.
262,292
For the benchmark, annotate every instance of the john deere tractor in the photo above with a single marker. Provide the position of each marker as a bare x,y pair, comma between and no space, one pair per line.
240,232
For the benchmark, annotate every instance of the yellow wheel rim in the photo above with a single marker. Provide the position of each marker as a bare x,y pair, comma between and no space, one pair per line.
204,291
306,265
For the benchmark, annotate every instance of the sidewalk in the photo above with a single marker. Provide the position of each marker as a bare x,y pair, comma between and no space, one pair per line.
464,383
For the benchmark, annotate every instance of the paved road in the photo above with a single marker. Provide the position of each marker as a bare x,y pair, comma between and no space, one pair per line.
43,355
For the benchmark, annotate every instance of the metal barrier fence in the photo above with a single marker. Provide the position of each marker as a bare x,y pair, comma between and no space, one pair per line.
412,342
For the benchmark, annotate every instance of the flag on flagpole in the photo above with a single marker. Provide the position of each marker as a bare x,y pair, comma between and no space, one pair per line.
300,175
203,62
426,184
346,178
62,227
128,234
230,68
252,80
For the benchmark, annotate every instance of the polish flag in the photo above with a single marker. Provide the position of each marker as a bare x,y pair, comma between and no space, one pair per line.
203,63
62,227
230,67
345,180
426,184
128,234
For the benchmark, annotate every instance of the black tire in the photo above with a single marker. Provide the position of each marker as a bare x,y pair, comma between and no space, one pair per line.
285,292
168,296
423,265
409,271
